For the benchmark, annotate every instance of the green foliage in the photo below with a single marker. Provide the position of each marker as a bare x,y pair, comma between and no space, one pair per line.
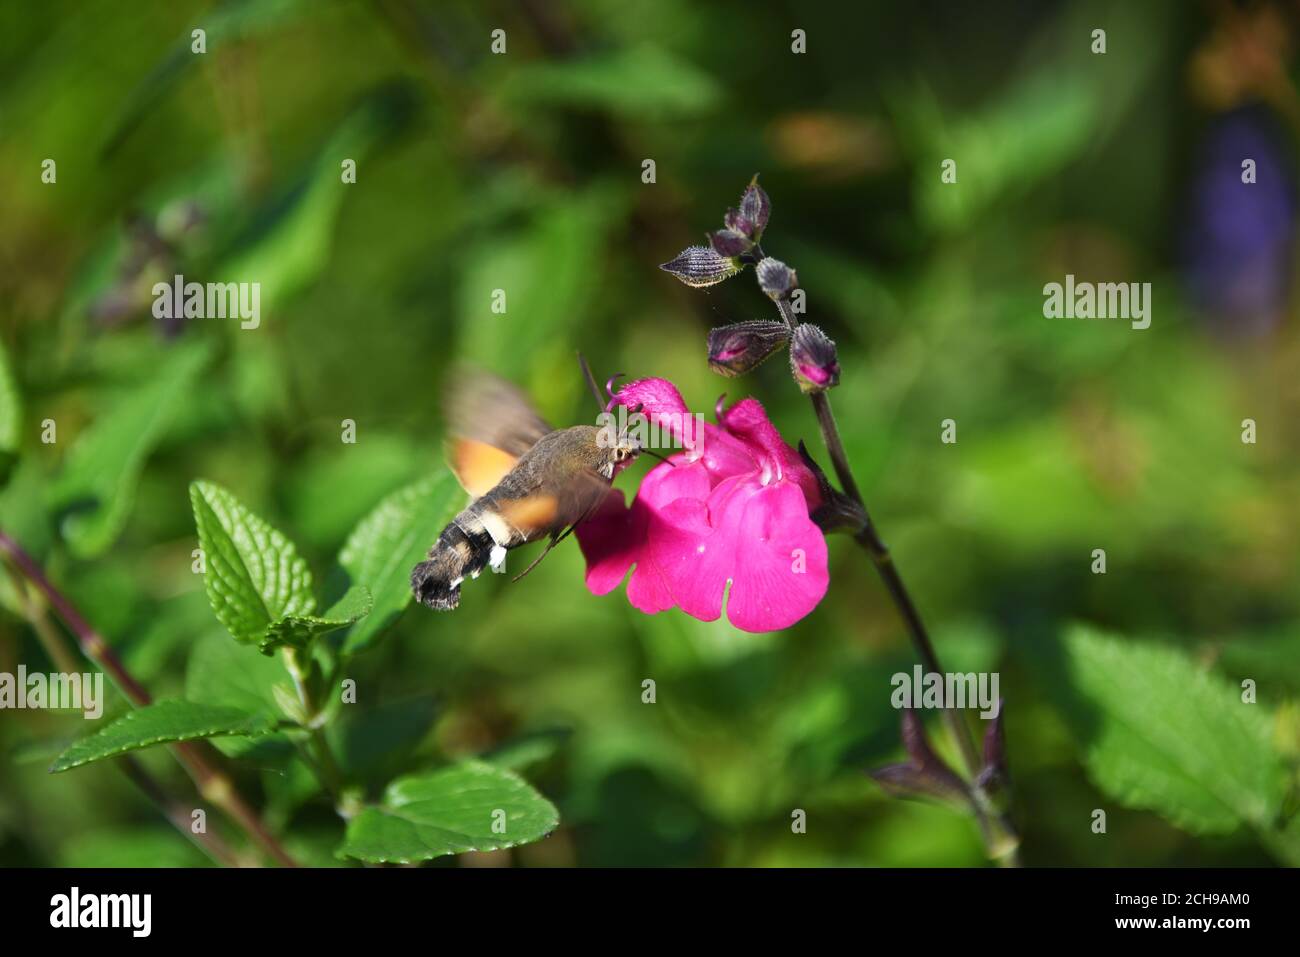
299,631
468,807
254,577
374,744
161,723
96,488
131,847
524,173
644,80
1169,736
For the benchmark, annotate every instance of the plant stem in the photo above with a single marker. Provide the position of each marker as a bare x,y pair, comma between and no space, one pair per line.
172,808
999,837
326,767
212,783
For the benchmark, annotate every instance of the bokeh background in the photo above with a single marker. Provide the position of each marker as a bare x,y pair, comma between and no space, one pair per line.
523,171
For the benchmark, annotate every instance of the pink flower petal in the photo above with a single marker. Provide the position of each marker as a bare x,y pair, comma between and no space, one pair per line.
609,543
783,574
724,455
678,480
662,405
724,522
755,536
693,561
613,539
747,421
658,399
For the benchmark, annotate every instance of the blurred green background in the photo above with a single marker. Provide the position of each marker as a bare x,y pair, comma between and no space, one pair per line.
523,172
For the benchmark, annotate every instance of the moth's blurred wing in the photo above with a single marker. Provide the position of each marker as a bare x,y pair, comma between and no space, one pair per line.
478,466
565,512
490,424
549,509
581,497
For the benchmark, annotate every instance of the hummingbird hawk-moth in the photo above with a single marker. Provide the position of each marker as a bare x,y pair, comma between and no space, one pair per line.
528,482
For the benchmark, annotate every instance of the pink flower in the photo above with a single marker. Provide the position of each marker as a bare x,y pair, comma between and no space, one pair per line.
734,508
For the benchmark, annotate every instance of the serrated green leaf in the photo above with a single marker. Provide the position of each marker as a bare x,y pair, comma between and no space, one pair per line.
450,811
220,672
161,723
298,631
254,576
388,542
97,485
1171,737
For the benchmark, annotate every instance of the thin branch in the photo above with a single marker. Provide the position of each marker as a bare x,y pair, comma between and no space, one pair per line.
196,757
172,808
999,836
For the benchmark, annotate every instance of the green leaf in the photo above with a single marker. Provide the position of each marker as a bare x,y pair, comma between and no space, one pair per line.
643,81
527,749
161,723
547,268
388,542
1171,737
288,246
449,811
97,484
374,744
299,631
253,576
226,24
220,672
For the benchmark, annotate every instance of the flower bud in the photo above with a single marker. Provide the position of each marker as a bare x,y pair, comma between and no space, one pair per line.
700,266
730,243
739,347
736,220
925,773
776,278
812,359
756,207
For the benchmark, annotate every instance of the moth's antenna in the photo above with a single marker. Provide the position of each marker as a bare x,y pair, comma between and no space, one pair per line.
591,382
661,458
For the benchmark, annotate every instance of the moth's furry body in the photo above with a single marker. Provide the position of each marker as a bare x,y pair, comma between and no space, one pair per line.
562,477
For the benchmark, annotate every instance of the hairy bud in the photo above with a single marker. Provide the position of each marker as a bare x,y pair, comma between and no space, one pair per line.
700,266
776,278
813,360
730,243
756,207
739,347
